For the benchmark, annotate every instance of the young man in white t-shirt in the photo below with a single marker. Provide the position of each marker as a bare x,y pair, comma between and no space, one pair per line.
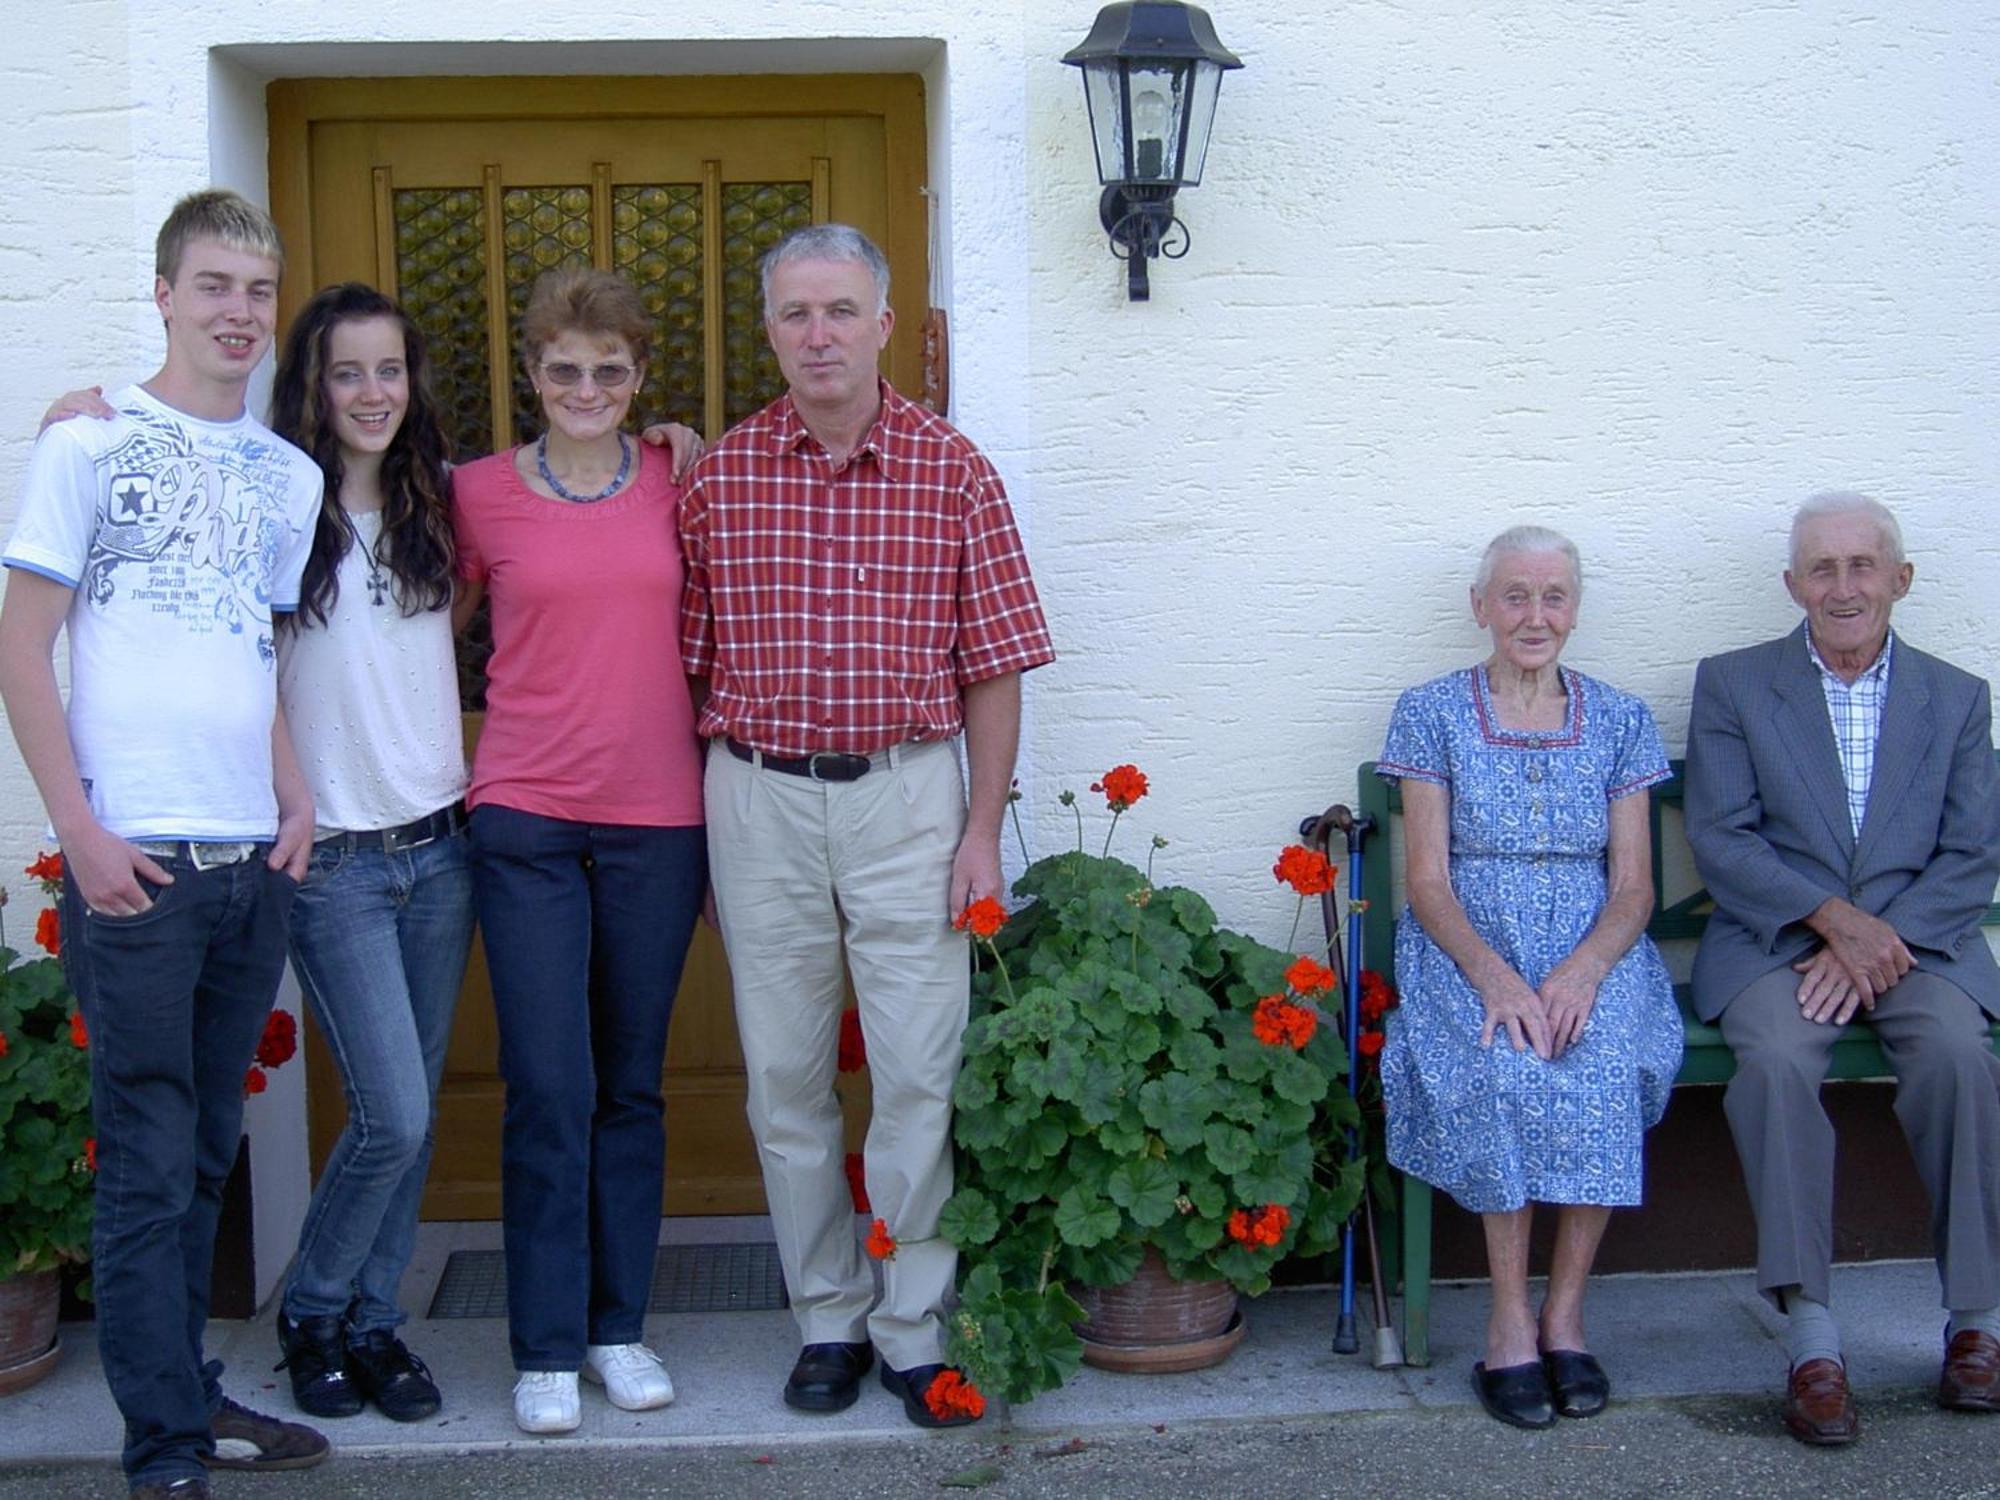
165,540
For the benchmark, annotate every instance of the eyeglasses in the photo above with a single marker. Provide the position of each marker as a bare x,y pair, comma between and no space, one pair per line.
606,377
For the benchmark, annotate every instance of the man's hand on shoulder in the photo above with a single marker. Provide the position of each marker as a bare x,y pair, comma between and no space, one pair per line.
107,870
975,871
1865,946
683,445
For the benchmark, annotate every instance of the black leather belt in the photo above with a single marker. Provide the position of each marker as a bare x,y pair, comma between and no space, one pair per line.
418,831
826,765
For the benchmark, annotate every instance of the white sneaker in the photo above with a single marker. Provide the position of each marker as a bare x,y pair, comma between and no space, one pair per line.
631,1374
546,1401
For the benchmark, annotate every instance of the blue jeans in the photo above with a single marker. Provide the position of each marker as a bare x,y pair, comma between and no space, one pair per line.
175,1000
379,943
586,926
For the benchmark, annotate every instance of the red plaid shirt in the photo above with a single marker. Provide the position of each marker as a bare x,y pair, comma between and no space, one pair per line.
844,609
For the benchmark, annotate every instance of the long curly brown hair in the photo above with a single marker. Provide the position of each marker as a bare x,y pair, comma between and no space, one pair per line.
416,541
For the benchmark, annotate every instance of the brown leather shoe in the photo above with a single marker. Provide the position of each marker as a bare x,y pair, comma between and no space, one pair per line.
1818,1406
1970,1380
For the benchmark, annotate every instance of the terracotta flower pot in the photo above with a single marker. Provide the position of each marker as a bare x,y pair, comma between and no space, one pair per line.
1157,1324
28,1347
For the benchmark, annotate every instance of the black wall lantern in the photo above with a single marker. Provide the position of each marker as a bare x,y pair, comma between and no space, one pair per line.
1151,71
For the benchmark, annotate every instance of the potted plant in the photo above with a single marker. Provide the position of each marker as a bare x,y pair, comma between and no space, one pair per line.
48,1158
1141,1087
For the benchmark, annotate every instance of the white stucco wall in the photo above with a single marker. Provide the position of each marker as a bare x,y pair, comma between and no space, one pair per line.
1648,273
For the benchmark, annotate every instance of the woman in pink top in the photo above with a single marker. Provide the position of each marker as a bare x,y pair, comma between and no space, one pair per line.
588,857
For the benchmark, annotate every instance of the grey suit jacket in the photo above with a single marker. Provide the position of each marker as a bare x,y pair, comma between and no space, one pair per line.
1767,817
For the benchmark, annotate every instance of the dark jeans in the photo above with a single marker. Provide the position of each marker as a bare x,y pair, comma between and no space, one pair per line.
586,926
175,1000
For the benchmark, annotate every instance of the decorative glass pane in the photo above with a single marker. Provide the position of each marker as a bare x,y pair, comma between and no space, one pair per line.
543,228
441,272
656,241
755,216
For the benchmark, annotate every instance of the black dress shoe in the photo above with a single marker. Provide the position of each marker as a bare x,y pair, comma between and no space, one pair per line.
1515,1394
1577,1382
316,1357
828,1376
384,1371
913,1385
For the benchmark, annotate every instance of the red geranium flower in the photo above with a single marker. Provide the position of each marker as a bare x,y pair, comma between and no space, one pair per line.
982,919
48,930
1308,976
1278,1023
280,1039
880,1243
952,1395
1260,1226
47,867
79,1034
3,1044
254,1081
1370,1043
1304,870
853,1053
1378,996
1122,786
90,1152
857,1182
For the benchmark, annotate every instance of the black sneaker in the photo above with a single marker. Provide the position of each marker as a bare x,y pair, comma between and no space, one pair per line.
385,1372
313,1350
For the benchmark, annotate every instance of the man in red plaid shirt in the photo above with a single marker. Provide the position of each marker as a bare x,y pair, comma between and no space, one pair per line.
857,600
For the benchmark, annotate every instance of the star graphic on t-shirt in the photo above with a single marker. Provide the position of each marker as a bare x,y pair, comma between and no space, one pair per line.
129,499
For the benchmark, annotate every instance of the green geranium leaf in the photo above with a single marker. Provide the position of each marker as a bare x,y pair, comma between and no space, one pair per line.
1085,1219
1178,1107
1146,1189
968,1218
1230,1148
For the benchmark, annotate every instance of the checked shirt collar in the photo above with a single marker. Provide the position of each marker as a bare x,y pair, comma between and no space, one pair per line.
1855,710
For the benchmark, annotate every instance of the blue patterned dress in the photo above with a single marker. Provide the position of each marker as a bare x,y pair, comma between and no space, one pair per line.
1530,820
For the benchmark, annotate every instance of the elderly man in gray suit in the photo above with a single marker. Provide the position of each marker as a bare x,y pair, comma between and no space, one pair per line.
1842,807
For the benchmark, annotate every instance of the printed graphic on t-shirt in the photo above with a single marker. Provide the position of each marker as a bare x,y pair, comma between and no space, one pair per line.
194,535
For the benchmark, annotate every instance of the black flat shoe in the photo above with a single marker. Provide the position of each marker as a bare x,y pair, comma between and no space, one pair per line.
828,1376
912,1385
1515,1394
1577,1381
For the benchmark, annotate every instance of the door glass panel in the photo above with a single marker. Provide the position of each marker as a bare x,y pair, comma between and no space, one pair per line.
656,236
755,216
543,228
441,272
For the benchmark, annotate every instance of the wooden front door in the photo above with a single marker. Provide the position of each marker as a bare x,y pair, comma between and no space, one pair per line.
453,195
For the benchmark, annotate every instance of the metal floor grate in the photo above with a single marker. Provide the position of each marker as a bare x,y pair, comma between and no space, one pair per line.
686,1278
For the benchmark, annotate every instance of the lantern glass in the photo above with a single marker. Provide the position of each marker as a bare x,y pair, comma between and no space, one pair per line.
1203,82
1144,114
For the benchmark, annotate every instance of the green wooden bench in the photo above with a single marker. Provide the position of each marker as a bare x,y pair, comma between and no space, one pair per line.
1708,1059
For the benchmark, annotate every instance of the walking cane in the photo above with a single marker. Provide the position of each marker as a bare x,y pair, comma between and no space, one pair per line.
1347,961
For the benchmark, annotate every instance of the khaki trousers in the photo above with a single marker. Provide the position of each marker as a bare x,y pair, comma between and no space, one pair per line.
1947,1100
803,870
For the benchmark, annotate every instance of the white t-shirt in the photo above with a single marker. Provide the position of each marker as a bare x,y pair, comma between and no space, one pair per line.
371,699
180,537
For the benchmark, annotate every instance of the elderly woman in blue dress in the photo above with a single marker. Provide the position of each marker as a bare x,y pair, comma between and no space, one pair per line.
1538,1035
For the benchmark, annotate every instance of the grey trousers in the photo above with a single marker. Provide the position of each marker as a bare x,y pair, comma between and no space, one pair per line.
806,872
1947,1099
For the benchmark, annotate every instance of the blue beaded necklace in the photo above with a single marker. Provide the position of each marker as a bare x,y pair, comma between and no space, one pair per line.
617,481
